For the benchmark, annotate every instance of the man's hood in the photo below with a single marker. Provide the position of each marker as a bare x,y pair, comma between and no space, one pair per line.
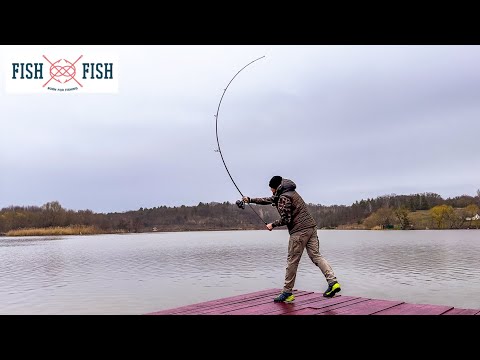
286,185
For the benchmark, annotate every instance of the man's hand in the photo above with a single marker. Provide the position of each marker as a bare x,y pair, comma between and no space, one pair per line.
246,199
270,226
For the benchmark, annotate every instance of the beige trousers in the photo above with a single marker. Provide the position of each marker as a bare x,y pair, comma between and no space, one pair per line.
298,241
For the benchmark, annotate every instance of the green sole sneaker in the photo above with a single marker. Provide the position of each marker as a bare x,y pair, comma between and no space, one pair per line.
332,290
284,297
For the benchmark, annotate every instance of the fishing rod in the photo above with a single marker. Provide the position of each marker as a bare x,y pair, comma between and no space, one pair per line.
240,203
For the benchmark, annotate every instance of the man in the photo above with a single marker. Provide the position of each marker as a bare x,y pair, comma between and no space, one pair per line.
303,234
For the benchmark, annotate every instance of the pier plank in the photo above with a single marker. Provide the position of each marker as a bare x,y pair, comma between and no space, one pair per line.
310,303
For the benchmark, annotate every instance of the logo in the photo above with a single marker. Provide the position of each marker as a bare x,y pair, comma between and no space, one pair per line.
62,73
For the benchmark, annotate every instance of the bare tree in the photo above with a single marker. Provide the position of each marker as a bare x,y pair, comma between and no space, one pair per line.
402,216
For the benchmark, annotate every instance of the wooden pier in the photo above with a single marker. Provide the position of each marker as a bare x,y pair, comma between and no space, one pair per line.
310,303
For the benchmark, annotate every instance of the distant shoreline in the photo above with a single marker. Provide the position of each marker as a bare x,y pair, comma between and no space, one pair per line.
407,212
90,230
57,230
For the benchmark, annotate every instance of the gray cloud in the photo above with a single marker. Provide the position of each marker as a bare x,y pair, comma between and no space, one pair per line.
343,122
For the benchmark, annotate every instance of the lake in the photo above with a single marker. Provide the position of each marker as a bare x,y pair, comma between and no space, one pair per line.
141,273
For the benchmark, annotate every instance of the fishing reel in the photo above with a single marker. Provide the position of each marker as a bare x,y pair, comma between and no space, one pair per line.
240,204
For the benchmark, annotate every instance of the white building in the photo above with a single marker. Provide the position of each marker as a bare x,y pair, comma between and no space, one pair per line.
476,217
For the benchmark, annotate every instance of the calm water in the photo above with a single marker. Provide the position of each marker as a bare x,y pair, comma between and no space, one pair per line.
140,273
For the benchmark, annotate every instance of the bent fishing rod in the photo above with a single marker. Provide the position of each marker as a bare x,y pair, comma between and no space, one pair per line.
240,203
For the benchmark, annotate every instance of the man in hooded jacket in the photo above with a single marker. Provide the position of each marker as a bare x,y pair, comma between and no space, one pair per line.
303,234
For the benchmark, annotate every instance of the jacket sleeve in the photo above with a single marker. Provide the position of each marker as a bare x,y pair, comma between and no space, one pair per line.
285,211
262,201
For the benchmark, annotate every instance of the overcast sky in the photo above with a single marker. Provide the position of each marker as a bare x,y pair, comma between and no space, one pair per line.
345,123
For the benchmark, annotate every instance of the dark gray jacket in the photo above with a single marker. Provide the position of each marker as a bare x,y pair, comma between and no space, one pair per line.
291,207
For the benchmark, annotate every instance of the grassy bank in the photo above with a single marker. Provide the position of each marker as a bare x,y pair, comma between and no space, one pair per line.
67,230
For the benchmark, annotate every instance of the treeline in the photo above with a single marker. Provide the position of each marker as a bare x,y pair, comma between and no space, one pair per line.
334,216
391,209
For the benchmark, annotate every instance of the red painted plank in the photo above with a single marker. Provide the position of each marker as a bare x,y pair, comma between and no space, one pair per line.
415,309
459,311
308,303
282,308
245,306
263,309
215,302
250,304
316,309
318,304
245,299
363,308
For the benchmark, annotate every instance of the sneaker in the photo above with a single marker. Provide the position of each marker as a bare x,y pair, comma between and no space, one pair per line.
284,297
333,288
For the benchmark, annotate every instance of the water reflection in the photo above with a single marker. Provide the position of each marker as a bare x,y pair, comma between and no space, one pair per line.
139,273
